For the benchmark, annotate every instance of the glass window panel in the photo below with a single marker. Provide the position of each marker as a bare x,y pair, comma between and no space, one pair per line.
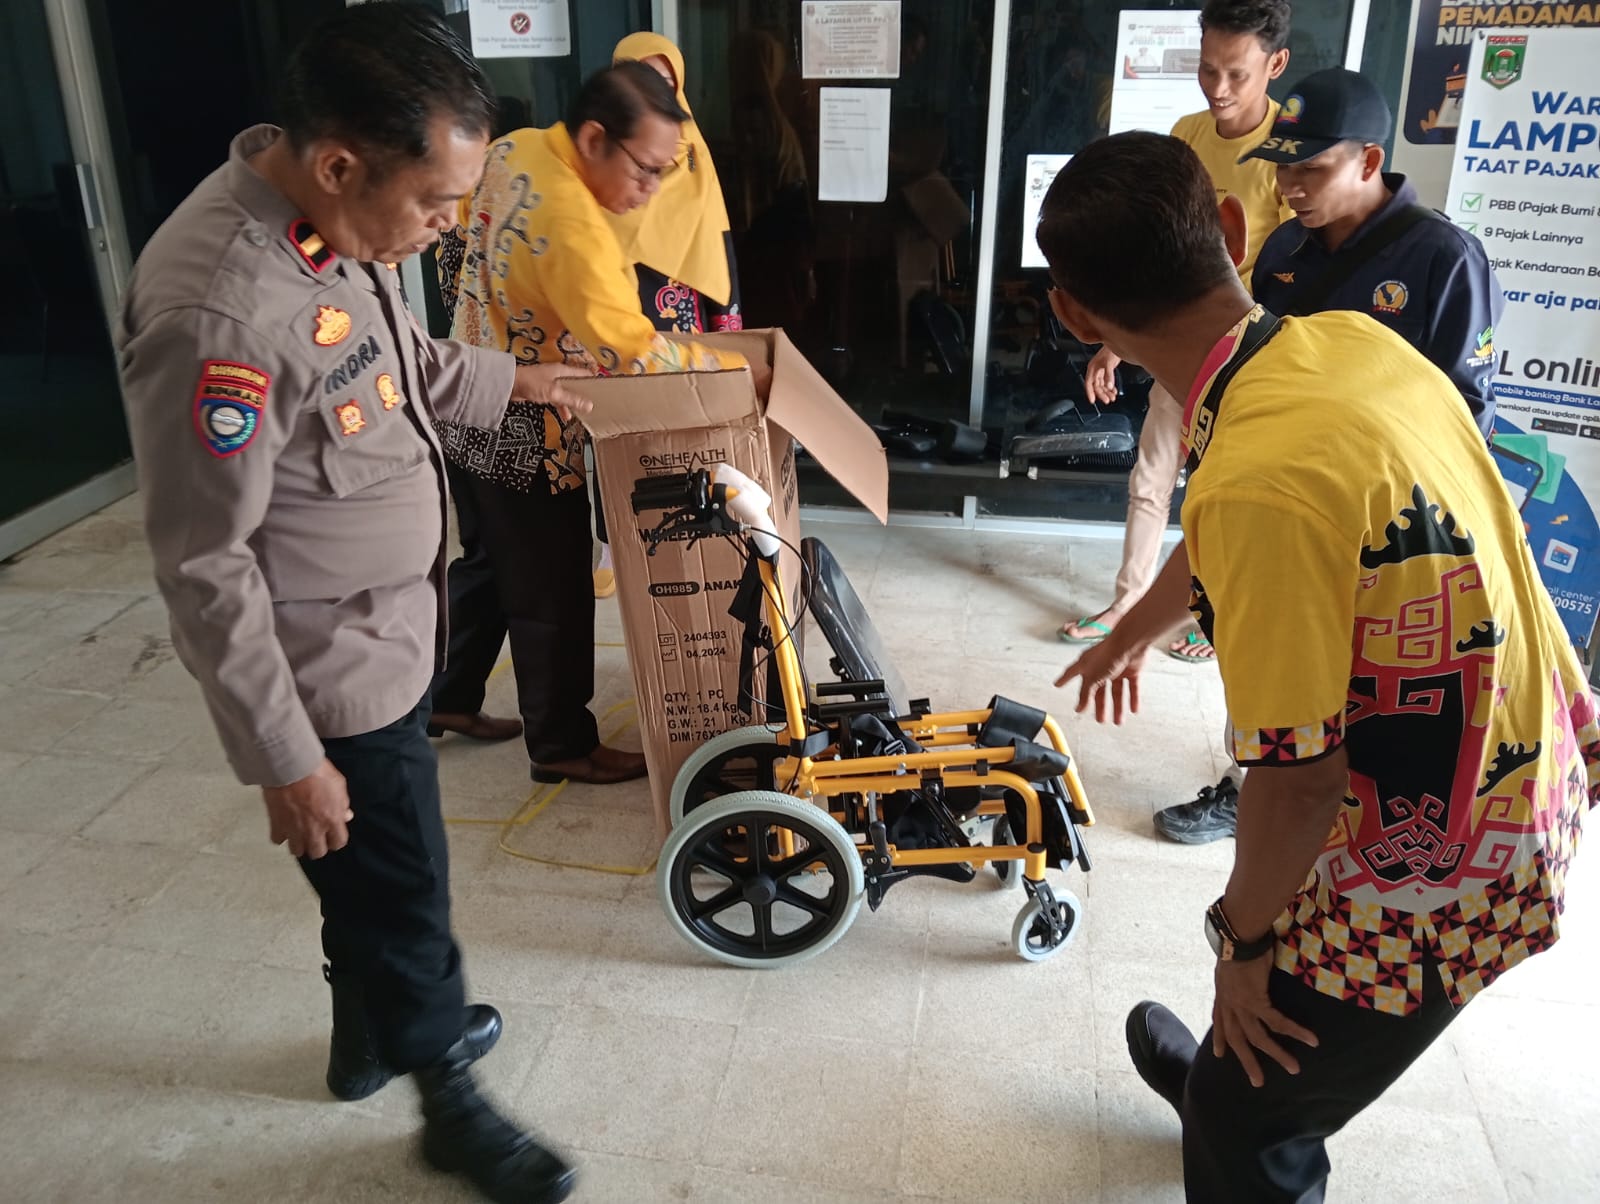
1060,62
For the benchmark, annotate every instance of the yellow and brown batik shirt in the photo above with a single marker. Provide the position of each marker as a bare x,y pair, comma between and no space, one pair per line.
1365,579
542,275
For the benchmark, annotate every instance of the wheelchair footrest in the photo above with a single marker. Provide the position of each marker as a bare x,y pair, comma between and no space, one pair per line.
955,872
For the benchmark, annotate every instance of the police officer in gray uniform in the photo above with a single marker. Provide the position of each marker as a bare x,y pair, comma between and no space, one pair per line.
281,401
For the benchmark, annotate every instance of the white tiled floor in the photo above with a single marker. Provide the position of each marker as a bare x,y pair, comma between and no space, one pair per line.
163,1023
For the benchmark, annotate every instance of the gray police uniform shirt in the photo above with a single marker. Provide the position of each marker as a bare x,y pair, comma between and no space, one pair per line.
281,402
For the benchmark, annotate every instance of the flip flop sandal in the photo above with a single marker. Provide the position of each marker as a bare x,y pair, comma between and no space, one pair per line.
1086,621
1193,640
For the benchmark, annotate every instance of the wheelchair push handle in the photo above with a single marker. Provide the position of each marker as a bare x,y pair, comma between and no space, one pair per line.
672,491
718,501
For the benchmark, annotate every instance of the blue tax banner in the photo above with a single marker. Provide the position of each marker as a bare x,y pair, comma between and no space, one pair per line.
1526,181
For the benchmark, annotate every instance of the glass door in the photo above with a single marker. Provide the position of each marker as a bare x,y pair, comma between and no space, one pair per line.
850,139
61,424
1060,70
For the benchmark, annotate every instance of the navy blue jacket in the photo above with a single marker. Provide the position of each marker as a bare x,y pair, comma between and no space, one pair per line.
1432,286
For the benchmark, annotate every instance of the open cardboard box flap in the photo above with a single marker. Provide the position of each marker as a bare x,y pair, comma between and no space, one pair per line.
798,400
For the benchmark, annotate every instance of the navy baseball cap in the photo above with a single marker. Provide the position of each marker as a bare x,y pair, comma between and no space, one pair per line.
1326,108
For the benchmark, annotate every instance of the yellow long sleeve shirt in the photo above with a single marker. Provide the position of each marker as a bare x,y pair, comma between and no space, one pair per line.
544,277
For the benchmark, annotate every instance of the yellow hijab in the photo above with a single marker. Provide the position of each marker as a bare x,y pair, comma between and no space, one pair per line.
681,231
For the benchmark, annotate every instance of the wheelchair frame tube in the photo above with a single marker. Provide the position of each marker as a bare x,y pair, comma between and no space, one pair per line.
789,675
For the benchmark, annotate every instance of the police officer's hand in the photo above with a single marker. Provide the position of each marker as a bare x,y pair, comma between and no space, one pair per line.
311,814
541,383
1101,380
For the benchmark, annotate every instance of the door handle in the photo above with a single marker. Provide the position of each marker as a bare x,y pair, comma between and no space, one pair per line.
89,193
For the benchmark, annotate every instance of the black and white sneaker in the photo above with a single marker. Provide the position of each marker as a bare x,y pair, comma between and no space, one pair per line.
1213,814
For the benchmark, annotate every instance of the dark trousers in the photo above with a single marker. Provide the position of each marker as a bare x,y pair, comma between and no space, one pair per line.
386,895
1244,1144
477,624
536,548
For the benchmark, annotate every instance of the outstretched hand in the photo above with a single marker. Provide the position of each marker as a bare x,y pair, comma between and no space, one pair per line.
1101,380
1108,676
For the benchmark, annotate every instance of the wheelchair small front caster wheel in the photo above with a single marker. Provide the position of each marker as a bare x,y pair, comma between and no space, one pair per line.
1001,835
1035,938
760,879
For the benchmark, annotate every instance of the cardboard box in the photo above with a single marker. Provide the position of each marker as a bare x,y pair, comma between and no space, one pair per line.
683,645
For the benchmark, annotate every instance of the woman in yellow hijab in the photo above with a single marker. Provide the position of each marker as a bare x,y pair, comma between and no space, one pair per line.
680,240
679,243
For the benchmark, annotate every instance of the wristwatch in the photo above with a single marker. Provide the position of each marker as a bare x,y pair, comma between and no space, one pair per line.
1225,942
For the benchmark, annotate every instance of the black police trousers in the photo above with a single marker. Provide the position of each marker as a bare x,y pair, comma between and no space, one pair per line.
477,624
386,895
1255,1145
525,570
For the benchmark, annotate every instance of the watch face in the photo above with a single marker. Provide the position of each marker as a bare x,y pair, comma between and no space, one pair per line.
1214,937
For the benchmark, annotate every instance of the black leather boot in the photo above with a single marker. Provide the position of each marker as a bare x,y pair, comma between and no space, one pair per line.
463,1134
354,1069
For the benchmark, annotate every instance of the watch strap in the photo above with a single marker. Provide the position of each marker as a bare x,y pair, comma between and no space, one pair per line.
1234,949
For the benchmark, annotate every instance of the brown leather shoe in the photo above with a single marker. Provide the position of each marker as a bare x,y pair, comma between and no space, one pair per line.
602,767
474,727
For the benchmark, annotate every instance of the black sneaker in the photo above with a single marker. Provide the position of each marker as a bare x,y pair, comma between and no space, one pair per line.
1162,1049
1213,814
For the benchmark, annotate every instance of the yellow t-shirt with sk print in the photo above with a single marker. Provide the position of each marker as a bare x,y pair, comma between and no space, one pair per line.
1254,182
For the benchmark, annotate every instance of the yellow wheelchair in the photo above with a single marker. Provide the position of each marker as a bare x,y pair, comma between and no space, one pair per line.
780,832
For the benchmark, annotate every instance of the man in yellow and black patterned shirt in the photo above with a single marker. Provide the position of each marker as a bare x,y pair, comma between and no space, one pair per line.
1420,734
543,276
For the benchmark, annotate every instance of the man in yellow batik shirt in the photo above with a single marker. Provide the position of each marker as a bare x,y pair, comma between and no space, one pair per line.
543,276
1244,46
1420,737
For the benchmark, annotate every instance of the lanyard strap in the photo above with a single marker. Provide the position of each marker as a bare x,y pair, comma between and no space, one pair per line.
1258,328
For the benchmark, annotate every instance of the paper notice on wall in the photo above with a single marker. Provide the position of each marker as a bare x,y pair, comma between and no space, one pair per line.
1042,171
853,163
517,29
1156,75
850,39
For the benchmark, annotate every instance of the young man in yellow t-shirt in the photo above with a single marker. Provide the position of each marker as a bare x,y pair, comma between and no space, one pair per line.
1243,48
1422,744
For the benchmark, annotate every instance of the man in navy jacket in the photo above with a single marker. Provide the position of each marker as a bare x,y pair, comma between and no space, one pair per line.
1431,284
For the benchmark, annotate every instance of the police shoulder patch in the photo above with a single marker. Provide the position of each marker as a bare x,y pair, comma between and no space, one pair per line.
228,403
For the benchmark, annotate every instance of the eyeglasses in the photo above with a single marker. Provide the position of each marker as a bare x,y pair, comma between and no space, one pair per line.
646,171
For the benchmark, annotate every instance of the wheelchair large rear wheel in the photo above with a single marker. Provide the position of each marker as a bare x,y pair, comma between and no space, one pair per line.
736,887
743,759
